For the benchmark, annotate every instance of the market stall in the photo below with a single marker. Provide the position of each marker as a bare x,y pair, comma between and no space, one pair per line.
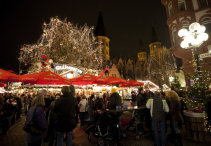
47,78
6,76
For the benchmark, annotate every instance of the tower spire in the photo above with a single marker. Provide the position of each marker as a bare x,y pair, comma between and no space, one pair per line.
100,34
141,45
154,36
100,27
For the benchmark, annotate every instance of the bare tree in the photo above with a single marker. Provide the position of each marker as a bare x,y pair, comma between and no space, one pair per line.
161,65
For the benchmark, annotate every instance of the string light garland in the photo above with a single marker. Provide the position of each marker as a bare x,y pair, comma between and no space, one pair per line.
66,43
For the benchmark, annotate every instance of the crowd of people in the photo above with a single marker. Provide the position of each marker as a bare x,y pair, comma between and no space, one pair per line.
58,114
10,111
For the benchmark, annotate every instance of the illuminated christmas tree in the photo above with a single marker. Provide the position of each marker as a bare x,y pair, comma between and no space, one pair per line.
199,86
63,42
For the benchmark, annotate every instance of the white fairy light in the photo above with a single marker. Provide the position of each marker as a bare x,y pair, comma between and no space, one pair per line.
63,42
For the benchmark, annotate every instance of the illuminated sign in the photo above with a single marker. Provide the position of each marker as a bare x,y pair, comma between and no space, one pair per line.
67,67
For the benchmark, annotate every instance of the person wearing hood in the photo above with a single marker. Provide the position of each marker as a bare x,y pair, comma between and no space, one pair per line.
64,110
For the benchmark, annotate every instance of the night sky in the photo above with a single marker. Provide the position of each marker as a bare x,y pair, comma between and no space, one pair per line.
126,23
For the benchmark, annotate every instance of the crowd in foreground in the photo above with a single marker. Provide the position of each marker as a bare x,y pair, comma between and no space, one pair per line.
57,115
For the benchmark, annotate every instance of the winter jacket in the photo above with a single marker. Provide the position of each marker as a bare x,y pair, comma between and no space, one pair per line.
98,103
141,100
64,110
115,100
91,106
175,110
133,98
157,107
39,116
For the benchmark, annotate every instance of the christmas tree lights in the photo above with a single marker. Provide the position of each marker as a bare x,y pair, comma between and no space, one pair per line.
65,43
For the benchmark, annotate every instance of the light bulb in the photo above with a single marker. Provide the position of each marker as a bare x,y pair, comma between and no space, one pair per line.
189,38
202,37
201,29
182,32
196,42
184,44
194,27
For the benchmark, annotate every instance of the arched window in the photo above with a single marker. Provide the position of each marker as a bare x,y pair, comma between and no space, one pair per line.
185,24
207,23
170,8
181,5
175,35
202,3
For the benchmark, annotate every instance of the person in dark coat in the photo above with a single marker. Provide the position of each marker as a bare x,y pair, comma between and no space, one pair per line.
114,100
37,110
98,102
78,99
65,115
141,101
146,96
51,121
91,108
4,123
134,100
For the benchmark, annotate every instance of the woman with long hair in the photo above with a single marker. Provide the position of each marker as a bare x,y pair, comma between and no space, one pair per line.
175,115
36,112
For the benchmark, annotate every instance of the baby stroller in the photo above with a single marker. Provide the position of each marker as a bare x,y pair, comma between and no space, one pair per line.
105,129
133,124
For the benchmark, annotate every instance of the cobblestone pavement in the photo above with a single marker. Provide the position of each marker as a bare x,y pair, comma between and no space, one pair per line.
16,137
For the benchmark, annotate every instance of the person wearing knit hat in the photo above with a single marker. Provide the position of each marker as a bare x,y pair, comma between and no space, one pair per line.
115,104
115,99
113,90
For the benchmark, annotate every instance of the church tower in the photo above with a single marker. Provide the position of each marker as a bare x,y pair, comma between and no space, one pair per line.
100,34
142,55
155,45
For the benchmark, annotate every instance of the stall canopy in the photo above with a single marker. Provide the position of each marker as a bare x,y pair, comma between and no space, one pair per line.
46,78
113,80
131,83
3,85
87,79
6,76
